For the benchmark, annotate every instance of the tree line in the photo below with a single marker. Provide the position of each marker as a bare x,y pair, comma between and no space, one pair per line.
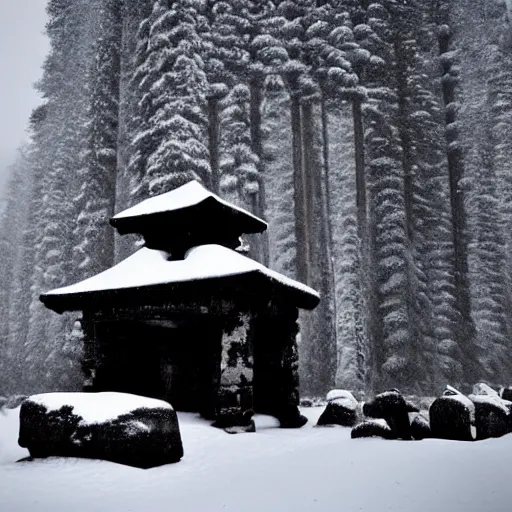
374,136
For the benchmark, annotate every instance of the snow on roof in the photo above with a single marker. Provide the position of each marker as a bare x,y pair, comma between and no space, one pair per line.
98,407
190,194
148,267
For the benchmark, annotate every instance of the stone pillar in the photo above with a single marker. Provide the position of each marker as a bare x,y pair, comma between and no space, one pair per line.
288,406
234,409
277,365
90,352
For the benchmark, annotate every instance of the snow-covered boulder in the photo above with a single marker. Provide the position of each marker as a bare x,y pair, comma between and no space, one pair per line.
452,416
373,428
119,427
420,428
341,409
492,413
394,408
484,389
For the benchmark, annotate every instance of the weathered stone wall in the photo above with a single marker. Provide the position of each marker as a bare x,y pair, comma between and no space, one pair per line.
90,352
98,358
252,357
235,393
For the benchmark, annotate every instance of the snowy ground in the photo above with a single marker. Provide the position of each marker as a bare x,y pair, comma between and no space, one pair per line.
311,469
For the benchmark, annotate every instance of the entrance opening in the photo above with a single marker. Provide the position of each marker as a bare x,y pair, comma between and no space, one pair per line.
177,361
267,366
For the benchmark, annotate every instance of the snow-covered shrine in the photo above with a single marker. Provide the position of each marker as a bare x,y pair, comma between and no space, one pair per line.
188,318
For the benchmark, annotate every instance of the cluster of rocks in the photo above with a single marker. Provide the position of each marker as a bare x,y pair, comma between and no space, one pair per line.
483,414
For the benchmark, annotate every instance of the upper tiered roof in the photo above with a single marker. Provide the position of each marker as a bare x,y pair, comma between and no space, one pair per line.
187,217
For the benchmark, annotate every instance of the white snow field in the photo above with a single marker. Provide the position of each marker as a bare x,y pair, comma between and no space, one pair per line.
310,469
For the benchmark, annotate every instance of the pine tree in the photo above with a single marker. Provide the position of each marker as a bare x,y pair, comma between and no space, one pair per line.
416,124
13,273
340,74
221,54
262,53
277,144
456,169
488,274
301,35
134,20
352,329
59,153
239,164
441,350
94,251
170,150
391,329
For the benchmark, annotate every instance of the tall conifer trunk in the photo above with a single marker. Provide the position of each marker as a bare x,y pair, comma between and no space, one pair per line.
309,167
403,112
213,142
132,13
326,176
299,188
456,173
362,215
319,343
260,242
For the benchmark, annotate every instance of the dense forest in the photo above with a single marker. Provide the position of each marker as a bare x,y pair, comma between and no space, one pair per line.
374,136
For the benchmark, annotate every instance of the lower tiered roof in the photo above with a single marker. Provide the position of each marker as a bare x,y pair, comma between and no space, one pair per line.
151,270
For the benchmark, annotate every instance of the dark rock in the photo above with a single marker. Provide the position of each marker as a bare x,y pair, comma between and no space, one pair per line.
492,416
373,428
506,393
145,437
341,409
392,407
420,428
291,418
411,407
452,416
241,429
306,402
236,423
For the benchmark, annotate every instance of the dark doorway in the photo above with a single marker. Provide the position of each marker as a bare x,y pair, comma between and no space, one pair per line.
177,361
267,353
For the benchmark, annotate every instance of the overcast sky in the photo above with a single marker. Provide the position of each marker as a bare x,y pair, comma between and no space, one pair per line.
23,47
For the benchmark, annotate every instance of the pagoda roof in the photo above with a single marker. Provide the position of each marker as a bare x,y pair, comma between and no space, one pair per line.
149,269
191,205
